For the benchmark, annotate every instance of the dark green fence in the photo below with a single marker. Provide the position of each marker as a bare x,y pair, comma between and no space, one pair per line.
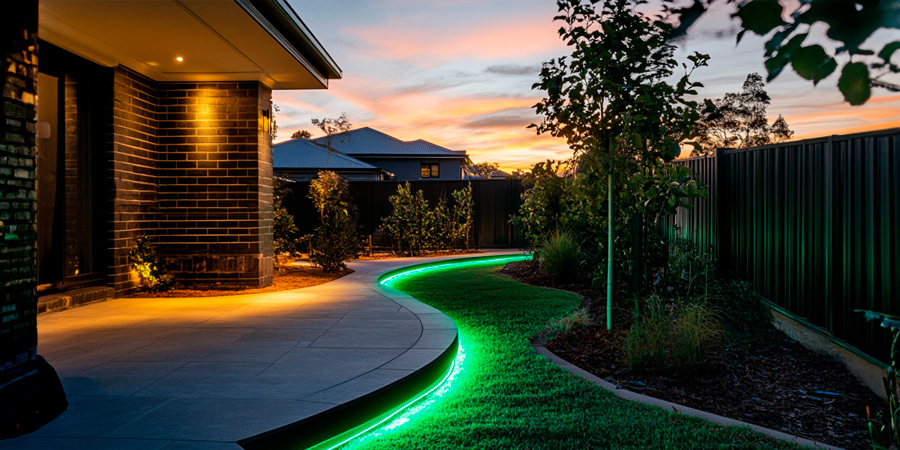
495,201
813,224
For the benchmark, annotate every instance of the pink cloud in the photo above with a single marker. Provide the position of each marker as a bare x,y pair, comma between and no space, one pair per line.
527,37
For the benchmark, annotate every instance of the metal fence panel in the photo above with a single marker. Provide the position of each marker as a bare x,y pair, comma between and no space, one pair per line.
813,224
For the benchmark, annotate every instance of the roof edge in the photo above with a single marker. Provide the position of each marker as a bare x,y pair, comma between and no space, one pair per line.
278,16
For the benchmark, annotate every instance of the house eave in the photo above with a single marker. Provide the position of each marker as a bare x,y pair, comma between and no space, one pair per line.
193,40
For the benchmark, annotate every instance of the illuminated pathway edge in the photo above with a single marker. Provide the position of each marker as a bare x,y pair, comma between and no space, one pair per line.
210,373
390,405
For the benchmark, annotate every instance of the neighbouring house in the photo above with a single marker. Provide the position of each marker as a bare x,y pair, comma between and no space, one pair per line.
301,160
131,118
407,160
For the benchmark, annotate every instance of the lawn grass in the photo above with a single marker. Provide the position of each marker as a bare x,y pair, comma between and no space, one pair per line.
507,396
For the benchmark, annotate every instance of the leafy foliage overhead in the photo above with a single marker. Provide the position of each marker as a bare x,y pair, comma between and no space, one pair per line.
849,22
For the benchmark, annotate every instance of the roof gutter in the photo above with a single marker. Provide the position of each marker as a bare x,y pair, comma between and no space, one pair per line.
285,26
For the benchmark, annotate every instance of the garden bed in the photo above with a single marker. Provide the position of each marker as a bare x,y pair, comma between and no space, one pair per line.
286,278
771,381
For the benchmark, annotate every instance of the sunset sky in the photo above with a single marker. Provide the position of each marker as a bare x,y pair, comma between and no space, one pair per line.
458,73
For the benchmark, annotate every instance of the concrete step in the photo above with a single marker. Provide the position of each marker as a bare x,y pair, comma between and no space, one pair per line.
75,297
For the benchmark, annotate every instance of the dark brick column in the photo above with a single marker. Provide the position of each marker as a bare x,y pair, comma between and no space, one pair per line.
18,326
215,186
30,393
133,170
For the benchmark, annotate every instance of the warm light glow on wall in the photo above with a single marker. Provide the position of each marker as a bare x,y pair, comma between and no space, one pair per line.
179,59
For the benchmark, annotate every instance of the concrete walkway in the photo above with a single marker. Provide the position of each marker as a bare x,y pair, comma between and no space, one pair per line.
205,373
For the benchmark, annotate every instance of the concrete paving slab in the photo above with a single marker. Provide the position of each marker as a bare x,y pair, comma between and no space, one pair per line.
204,373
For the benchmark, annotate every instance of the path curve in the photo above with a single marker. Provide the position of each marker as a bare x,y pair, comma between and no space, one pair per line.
210,372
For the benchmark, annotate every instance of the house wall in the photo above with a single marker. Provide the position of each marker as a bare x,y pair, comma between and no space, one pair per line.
215,183
133,171
411,169
191,168
18,269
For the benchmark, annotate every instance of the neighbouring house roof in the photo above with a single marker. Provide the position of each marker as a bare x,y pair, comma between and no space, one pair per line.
303,154
222,40
369,142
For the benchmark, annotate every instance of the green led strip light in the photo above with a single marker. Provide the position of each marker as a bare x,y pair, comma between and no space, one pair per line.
390,277
352,416
429,395
400,414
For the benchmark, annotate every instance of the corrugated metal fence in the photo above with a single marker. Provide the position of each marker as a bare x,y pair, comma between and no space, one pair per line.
813,224
494,202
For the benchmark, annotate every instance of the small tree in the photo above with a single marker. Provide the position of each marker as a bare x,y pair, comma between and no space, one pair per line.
301,134
542,202
463,215
611,101
738,120
482,169
332,127
335,240
284,230
415,227
407,222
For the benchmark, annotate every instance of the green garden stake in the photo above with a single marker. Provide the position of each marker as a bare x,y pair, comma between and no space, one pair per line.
609,267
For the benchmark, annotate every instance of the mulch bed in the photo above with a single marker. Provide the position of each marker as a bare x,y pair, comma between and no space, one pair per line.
773,382
286,278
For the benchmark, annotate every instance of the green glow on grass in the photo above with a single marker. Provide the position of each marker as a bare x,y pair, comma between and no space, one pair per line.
402,413
415,406
390,277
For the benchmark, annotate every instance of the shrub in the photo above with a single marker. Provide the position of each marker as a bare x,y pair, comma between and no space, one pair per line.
560,257
580,318
695,332
670,336
647,342
415,227
146,262
335,240
542,202
284,230
407,222
463,215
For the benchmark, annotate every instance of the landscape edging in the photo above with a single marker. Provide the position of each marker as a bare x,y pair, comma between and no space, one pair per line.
669,406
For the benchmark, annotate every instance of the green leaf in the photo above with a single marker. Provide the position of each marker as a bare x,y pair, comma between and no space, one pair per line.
776,64
855,83
760,16
888,51
813,63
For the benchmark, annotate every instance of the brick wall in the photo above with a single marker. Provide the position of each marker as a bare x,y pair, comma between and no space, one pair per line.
215,191
192,169
18,270
133,169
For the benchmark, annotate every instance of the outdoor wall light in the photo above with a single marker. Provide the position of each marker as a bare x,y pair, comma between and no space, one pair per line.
179,59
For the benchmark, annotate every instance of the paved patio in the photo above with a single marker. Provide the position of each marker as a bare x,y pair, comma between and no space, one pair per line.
205,373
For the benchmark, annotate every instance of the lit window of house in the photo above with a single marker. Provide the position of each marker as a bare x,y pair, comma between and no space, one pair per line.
431,170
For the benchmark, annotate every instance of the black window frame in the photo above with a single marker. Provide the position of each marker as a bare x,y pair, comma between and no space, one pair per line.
433,170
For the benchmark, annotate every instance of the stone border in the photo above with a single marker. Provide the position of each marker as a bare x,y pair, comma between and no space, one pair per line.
669,406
